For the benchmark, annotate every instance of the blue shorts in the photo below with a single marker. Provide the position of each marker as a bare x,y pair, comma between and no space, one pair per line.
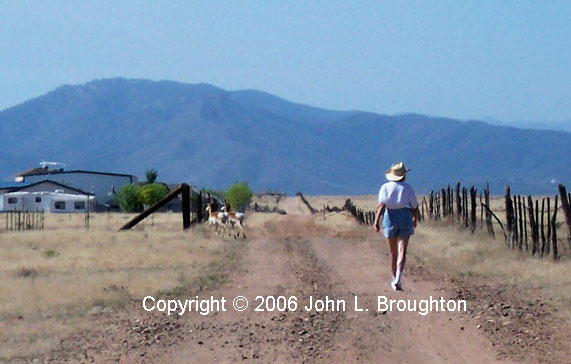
397,223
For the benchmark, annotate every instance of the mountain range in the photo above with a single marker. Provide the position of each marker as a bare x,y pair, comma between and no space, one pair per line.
210,137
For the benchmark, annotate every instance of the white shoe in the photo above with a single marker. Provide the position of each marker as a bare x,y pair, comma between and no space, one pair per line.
393,286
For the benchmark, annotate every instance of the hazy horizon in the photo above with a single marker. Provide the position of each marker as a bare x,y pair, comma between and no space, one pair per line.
523,124
469,61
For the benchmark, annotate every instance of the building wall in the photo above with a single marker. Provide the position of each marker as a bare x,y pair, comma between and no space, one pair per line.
99,184
26,201
18,206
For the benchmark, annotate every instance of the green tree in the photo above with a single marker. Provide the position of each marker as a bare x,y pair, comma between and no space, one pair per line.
130,198
151,176
238,195
153,192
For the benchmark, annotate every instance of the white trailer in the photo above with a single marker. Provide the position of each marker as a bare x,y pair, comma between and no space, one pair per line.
47,201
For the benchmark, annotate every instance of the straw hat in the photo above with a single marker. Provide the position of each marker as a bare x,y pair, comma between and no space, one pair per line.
397,172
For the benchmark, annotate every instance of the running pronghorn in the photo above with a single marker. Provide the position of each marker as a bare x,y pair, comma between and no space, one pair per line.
216,218
234,218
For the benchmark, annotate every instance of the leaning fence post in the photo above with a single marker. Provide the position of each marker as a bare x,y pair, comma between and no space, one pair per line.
152,209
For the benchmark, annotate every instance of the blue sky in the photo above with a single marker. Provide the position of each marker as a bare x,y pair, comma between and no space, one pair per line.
509,60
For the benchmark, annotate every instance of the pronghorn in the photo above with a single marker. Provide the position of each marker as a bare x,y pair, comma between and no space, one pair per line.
234,218
216,218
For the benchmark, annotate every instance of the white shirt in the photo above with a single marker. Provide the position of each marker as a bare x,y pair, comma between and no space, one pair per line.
397,195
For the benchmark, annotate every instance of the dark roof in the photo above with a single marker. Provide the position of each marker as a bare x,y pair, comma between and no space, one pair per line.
55,183
33,171
74,171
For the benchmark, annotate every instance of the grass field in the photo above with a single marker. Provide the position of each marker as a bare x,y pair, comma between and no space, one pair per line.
55,282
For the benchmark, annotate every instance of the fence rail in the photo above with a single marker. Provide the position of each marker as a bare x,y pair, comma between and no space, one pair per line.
23,220
530,224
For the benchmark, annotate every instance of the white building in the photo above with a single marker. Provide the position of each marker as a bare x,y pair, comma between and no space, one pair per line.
102,185
46,201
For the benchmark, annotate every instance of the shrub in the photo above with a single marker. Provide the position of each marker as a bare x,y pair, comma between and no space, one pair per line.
153,192
130,198
51,253
238,194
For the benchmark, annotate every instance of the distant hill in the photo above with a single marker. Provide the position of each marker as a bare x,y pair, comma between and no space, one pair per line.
211,137
547,125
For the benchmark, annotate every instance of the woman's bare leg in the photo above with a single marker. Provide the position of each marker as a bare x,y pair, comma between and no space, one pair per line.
393,253
402,247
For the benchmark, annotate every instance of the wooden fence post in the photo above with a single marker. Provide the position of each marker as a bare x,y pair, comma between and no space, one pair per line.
458,202
509,216
199,208
532,225
514,221
554,231
566,210
520,212
185,206
473,195
481,213
543,242
547,247
431,204
525,212
444,203
465,204
450,201
537,225
489,223
437,205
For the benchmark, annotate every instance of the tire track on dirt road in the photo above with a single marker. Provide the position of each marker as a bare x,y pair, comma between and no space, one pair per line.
279,262
404,337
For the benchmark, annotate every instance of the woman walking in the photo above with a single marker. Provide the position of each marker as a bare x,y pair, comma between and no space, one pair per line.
397,202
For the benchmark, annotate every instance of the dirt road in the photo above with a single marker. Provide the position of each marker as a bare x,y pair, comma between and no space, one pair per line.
296,257
306,256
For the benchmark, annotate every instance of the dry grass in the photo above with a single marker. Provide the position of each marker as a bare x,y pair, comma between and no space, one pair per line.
51,281
453,250
368,202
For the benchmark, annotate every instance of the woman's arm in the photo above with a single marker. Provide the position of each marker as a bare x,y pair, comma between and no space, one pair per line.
415,216
380,212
